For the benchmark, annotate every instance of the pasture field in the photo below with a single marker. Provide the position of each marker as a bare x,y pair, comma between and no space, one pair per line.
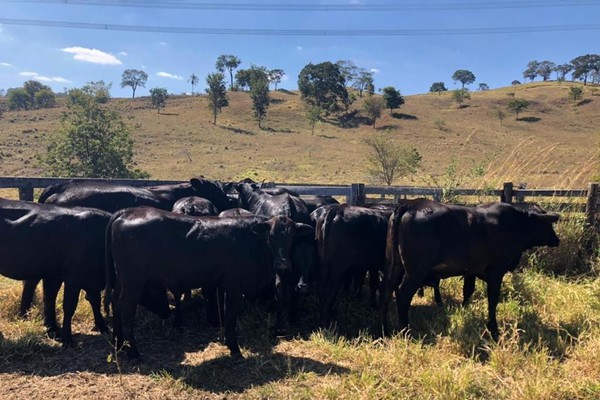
554,144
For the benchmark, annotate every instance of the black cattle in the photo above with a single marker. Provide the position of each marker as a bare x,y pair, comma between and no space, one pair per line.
113,197
317,201
235,212
193,205
238,255
350,242
56,244
258,202
427,237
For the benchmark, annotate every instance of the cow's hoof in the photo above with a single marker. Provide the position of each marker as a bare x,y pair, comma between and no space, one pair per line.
53,333
66,344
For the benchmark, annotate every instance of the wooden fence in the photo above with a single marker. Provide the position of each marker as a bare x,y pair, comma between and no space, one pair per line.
358,193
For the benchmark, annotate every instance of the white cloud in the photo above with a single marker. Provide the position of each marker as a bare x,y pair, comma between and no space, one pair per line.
375,70
123,53
94,56
163,43
37,77
5,64
168,75
299,48
285,77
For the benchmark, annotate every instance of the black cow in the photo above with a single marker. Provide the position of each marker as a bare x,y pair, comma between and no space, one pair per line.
487,241
253,199
317,201
56,244
194,205
350,241
238,255
235,212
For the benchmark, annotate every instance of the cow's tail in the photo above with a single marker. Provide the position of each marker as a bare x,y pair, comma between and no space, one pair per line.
110,263
323,236
50,190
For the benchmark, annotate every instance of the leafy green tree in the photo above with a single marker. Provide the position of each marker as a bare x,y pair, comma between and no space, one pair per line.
584,65
363,80
438,87
562,70
515,82
545,69
314,114
259,93
576,93
228,62
460,95
275,76
500,115
244,76
532,70
348,70
323,85
93,142
159,98
463,76
217,93
374,106
193,80
483,87
517,106
18,99
45,98
32,87
388,161
134,78
393,98
99,90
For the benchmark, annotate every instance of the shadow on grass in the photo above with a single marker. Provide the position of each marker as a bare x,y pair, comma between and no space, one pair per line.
276,101
352,120
327,137
287,92
238,130
169,114
529,119
584,102
403,116
386,127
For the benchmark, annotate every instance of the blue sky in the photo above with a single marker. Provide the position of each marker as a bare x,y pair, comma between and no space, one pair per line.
70,57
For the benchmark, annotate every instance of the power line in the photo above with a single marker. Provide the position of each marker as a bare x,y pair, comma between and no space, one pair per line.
304,32
246,6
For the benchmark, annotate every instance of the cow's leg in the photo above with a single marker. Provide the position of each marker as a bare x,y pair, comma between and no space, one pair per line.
280,305
70,300
94,298
468,288
437,295
404,294
27,296
329,300
374,284
178,320
127,307
494,283
358,282
51,287
214,306
391,279
232,307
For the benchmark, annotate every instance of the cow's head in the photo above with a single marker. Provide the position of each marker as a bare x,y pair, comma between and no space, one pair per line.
210,190
540,227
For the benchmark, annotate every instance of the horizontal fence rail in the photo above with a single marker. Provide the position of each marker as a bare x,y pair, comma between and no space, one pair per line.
355,193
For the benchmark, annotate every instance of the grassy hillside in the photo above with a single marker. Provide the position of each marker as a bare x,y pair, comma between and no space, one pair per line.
554,144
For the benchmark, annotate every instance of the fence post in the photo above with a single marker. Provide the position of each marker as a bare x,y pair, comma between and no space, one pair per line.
519,198
592,204
507,193
437,194
357,194
26,194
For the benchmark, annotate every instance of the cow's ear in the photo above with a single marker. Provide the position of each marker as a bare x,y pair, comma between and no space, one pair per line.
304,231
197,182
261,228
550,217
227,187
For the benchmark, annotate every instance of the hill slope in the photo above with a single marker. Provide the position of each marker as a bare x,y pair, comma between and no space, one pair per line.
553,144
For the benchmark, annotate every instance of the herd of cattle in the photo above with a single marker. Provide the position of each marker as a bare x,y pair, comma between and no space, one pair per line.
138,243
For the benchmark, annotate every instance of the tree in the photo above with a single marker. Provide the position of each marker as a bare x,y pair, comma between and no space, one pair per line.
362,80
244,76
159,98
393,98
517,106
259,93
576,93
193,79
483,87
584,65
99,90
32,87
348,70
438,87
562,70
323,85
463,76
515,82
45,98
18,99
228,62
217,93
275,76
134,78
532,70
314,115
93,142
389,161
370,88
460,95
500,115
545,69
374,106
